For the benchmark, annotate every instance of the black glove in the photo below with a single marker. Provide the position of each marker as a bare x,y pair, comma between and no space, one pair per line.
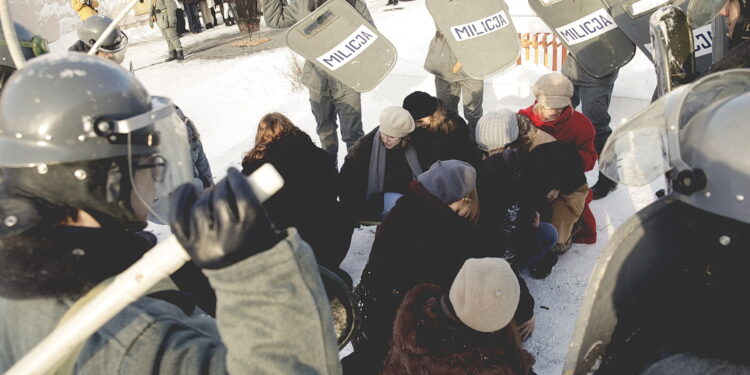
224,225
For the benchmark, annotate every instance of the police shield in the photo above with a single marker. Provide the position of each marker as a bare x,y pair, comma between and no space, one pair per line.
674,56
589,32
479,32
640,249
346,318
338,40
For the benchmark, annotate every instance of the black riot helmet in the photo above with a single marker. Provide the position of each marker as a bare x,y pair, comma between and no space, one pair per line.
31,46
697,133
79,131
114,45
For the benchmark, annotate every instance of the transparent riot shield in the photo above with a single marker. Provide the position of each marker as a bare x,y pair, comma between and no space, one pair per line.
479,32
589,32
674,53
338,40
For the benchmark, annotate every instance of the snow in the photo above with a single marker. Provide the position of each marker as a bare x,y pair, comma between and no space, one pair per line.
226,96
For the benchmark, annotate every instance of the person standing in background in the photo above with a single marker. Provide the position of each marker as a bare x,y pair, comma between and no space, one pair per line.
84,8
164,13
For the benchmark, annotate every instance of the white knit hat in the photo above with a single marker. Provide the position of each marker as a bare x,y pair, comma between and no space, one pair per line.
496,129
553,90
396,122
485,294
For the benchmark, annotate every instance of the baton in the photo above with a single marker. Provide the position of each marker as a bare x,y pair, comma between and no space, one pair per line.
165,258
112,26
11,39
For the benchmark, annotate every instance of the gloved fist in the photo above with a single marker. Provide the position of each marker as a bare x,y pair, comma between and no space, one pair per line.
224,225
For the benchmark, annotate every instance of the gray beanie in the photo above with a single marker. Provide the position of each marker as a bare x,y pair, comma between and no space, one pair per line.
396,122
485,294
553,90
496,129
449,180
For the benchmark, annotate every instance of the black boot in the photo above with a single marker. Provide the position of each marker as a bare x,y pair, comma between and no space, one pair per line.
603,187
180,56
543,267
172,56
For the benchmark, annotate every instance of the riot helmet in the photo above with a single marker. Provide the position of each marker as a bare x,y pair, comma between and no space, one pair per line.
31,46
81,132
696,133
701,12
114,45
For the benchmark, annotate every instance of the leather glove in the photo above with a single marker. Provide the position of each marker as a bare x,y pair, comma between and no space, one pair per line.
224,225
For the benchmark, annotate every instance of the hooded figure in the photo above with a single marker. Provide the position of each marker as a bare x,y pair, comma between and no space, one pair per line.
422,239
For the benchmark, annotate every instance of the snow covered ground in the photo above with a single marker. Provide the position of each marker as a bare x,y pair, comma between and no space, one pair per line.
226,96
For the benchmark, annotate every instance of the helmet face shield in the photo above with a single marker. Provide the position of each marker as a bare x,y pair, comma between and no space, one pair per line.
648,145
115,52
155,175
701,12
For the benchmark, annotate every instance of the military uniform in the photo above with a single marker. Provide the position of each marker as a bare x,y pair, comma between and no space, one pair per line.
166,18
451,82
329,98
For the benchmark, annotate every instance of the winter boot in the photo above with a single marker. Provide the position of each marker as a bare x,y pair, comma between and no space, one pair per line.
543,267
180,56
603,187
172,56
209,26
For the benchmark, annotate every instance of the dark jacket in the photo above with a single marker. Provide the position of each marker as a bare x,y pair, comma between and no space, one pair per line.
79,46
427,342
308,199
506,205
554,165
354,173
456,144
421,240
201,168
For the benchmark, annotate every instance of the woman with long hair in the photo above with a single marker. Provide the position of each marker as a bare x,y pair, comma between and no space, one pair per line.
308,199
467,330
379,167
440,134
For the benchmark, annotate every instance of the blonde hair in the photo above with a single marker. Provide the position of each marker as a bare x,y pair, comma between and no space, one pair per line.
272,126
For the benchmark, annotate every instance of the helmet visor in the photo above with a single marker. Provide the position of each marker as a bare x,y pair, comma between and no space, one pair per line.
115,52
701,12
155,175
647,146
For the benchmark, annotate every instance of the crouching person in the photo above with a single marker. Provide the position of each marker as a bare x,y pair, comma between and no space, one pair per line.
469,330
425,238
73,199
379,167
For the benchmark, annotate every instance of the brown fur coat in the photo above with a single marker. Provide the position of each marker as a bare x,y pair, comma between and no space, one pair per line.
427,342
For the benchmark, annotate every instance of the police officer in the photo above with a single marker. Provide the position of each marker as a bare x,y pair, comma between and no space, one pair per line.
164,13
452,83
594,94
113,47
79,187
329,98
736,17
677,272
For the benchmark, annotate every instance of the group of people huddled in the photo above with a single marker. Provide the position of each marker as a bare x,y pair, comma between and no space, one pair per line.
459,216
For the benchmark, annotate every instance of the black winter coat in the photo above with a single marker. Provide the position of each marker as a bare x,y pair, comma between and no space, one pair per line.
506,205
554,165
421,240
354,175
308,199
456,144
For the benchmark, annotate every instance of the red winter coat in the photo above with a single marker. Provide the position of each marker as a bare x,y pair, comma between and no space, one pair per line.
575,128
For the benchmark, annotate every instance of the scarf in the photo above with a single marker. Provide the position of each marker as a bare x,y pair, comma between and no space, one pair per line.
376,174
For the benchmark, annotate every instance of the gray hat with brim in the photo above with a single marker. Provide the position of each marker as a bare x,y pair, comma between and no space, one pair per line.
449,180
553,90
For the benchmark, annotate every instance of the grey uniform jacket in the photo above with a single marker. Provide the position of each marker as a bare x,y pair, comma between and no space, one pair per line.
580,77
273,317
278,15
167,16
442,62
